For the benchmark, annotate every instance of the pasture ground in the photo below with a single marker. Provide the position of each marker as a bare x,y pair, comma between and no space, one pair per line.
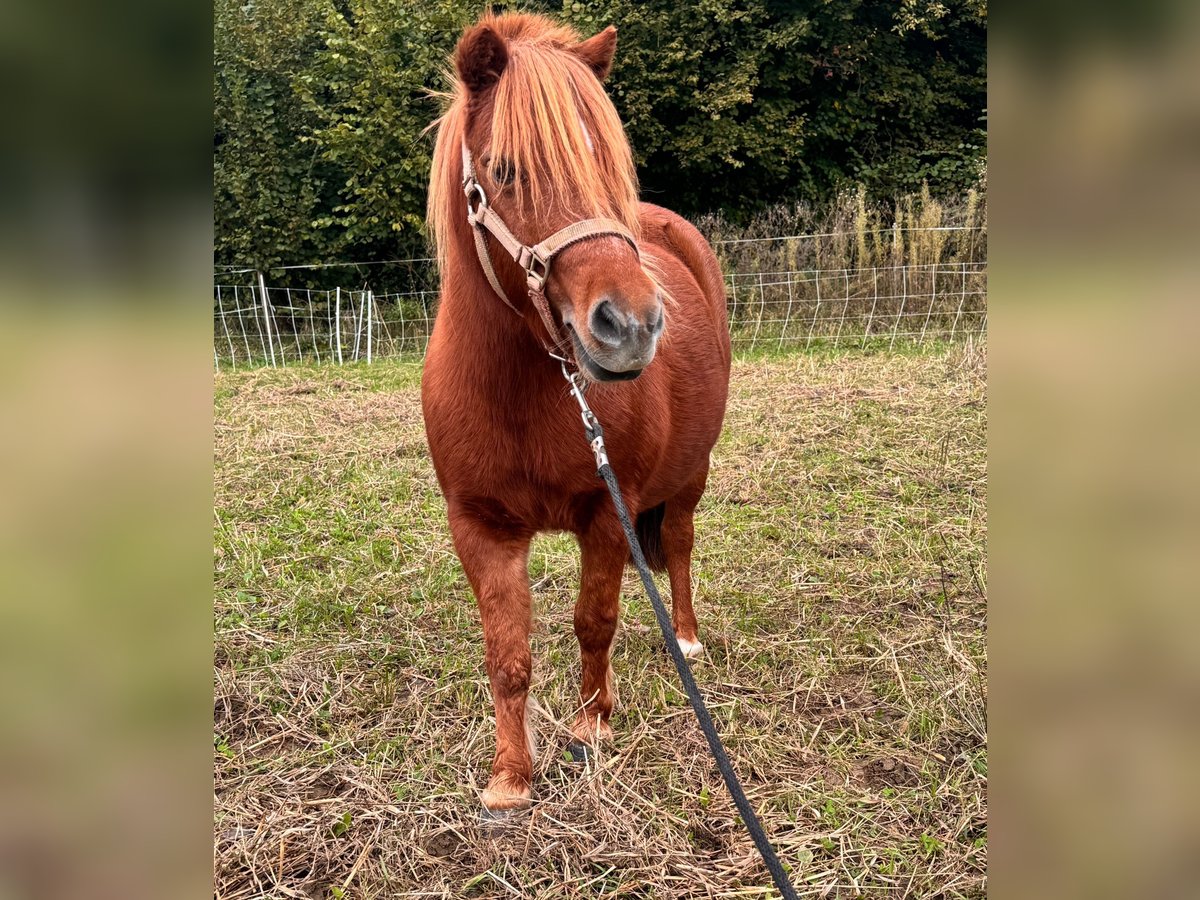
841,583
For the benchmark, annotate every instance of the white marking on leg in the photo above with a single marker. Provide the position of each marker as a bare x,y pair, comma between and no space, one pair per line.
691,649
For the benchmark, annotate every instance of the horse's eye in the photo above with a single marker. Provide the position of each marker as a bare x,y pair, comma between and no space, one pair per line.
503,172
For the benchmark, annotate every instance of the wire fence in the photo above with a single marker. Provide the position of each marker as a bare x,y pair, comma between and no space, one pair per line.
778,297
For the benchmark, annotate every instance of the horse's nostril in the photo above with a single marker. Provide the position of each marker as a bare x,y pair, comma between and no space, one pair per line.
656,325
607,324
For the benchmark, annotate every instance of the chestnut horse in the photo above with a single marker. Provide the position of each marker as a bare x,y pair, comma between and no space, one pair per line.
504,434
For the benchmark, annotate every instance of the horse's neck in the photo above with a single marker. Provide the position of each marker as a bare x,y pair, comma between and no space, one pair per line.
489,337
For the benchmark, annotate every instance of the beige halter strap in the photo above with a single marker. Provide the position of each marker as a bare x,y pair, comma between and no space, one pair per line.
535,260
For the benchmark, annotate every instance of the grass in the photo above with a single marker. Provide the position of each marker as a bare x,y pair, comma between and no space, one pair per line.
849,232
840,570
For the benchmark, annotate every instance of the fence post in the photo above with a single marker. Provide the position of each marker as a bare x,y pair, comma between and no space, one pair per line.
337,322
812,326
358,320
262,293
370,306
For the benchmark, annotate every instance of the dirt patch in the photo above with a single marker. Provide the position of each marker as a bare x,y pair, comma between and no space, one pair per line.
443,844
326,786
888,771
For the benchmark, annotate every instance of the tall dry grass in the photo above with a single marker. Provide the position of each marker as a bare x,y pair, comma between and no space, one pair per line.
914,268
852,233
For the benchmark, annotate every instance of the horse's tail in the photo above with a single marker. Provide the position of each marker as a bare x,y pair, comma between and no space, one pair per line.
649,532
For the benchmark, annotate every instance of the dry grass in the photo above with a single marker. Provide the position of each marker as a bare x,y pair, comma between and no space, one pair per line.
841,591
851,233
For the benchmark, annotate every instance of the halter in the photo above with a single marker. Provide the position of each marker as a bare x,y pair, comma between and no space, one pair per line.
535,260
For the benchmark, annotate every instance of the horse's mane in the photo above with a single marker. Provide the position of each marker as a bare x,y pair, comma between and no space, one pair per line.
544,95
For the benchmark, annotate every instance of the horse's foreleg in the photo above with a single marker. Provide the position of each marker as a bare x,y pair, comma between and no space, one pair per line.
495,560
603,554
678,534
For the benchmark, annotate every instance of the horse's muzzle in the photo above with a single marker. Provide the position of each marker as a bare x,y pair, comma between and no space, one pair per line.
596,370
622,341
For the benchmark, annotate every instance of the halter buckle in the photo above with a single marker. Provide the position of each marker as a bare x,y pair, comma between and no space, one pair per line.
474,191
536,266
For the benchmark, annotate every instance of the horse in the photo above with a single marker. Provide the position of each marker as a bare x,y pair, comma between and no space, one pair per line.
531,136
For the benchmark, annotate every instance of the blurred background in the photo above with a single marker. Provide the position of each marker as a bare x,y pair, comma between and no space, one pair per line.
107,194
105,472
1092,448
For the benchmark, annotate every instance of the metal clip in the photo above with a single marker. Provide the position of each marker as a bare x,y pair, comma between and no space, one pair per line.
474,191
599,452
591,425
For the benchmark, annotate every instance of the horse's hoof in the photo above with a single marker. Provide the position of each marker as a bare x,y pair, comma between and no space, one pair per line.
580,752
587,734
506,791
691,649
501,819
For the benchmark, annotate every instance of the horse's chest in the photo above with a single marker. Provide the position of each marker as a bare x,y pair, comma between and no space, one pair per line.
529,457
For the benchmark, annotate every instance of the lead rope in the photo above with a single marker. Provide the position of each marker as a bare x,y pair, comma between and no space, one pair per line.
595,436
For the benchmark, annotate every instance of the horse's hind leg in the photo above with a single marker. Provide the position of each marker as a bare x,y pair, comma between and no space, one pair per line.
495,560
678,534
603,554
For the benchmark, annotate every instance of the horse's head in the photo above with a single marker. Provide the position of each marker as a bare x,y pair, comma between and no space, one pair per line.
549,150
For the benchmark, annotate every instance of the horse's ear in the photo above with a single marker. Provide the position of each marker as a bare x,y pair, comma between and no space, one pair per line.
597,51
480,58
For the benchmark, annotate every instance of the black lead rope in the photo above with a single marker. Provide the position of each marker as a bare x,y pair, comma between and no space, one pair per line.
595,436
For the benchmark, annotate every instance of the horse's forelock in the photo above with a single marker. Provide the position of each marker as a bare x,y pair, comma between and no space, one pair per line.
545,106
